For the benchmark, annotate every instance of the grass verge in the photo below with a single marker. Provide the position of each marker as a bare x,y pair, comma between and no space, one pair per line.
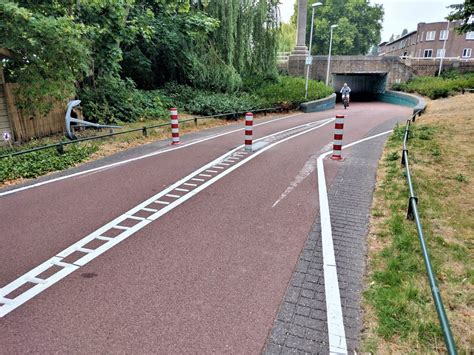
400,316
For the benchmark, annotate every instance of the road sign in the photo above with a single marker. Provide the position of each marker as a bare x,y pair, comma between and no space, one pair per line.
309,60
6,136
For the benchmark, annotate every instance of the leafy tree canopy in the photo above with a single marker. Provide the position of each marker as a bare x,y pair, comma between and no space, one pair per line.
62,47
465,13
359,25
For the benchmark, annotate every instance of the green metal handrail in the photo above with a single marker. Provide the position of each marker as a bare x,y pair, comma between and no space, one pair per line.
414,215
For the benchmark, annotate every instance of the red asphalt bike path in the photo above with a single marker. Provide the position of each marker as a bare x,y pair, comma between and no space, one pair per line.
207,277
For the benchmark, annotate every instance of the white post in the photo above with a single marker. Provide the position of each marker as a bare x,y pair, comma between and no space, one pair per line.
308,60
329,56
444,50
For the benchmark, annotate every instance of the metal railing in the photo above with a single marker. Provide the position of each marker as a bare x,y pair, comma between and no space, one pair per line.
60,145
413,214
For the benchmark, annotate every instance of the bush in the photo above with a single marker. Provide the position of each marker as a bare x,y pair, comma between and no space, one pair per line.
202,102
291,90
41,162
268,92
437,87
113,100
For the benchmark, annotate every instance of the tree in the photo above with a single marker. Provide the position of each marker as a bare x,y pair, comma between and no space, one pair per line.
105,50
404,32
50,54
465,13
392,38
287,37
359,25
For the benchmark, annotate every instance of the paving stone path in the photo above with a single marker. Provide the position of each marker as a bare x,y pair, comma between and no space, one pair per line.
301,323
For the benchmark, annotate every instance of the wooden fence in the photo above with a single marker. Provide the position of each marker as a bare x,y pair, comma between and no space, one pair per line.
26,126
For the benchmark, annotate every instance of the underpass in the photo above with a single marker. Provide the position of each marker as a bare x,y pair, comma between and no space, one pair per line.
364,86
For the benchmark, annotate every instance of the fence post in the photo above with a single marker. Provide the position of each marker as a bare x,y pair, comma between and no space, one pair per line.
248,131
144,131
174,125
60,148
338,133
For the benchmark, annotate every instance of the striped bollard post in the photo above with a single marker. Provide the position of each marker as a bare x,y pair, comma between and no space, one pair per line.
174,125
248,131
338,132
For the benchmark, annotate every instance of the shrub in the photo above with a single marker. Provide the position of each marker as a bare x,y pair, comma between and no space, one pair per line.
437,87
291,90
44,161
202,102
114,99
286,91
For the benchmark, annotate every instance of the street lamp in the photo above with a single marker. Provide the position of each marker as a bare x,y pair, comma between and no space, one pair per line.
444,50
329,56
309,59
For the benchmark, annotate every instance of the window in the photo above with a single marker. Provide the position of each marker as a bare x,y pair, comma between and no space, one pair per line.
466,52
430,35
440,53
443,35
428,53
470,35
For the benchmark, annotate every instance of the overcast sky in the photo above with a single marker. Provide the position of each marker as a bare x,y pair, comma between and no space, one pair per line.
399,14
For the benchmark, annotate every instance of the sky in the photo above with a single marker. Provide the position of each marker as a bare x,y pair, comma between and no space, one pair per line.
399,14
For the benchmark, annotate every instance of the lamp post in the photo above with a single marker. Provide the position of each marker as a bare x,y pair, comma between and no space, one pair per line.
329,56
444,50
309,58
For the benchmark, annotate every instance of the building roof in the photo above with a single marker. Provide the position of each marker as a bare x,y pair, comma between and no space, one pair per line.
400,38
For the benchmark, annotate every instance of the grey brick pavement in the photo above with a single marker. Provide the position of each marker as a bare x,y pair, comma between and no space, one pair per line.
301,323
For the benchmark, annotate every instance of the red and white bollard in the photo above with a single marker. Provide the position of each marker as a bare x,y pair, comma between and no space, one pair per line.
174,125
337,145
248,131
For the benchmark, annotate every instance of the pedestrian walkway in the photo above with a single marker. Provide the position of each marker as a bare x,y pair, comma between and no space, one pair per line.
301,323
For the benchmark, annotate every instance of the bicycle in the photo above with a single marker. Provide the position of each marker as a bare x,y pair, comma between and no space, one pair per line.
345,101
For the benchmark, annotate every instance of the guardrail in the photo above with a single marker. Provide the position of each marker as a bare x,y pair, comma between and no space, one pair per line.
60,145
412,214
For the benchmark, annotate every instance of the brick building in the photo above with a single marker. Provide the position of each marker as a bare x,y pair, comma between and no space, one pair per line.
428,41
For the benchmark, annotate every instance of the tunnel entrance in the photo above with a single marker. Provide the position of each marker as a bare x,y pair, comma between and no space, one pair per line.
364,86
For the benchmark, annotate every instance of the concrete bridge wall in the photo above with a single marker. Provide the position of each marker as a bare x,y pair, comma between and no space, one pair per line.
391,68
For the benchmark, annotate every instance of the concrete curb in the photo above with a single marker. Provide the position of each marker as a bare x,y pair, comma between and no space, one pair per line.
319,105
404,99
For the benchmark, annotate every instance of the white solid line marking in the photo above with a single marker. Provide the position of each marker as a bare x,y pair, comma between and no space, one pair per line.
189,184
62,264
197,179
205,175
85,250
150,209
101,237
336,332
162,202
183,190
225,164
36,280
107,166
212,171
121,227
218,167
173,196
69,268
131,216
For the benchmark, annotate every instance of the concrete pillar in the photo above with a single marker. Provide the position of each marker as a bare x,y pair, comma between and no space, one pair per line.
301,48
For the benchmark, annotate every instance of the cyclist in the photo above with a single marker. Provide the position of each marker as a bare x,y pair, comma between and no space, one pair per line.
345,90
